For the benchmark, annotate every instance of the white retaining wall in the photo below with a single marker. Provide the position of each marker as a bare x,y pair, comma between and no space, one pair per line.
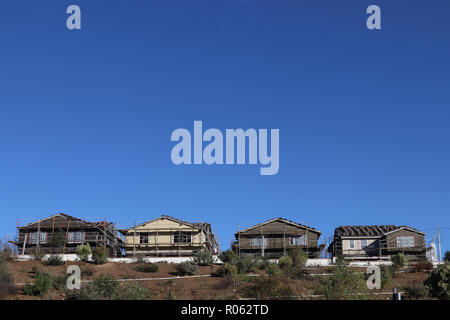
74,257
309,263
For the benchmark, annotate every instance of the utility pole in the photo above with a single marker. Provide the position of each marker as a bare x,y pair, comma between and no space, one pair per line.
239,240
439,243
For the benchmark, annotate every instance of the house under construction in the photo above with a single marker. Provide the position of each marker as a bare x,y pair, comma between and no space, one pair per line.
275,237
378,242
62,233
168,236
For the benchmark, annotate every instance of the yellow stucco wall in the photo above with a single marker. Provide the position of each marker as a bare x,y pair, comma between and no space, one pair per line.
162,232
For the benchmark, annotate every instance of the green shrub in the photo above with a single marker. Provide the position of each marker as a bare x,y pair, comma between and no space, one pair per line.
341,284
106,286
299,257
297,272
37,269
263,262
387,272
447,256
54,260
88,292
60,282
438,282
293,270
426,266
272,269
202,258
186,268
6,280
37,256
285,262
147,267
87,272
246,264
170,296
227,270
416,291
5,253
83,252
132,292
268,287
228,256
100,255
399,260
42,284
140,258
340,261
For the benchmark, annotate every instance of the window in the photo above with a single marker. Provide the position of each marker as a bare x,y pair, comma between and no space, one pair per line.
182,237
298,240
144,237
405,242
258,242
34,236
352,244
75,237
364,243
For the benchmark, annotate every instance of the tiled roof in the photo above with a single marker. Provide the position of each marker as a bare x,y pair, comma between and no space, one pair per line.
69,217
365,231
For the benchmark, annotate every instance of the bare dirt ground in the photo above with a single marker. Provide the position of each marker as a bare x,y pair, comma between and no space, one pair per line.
180,288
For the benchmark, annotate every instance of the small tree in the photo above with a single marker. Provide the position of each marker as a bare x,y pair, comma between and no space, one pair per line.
399,260
202,258
272,269
285,262
228,256
106,286
438,282
246,264
42,284
341,284
387,272
416,291
58,239
227,270
83,252
100,255
447,256
299,257
6,279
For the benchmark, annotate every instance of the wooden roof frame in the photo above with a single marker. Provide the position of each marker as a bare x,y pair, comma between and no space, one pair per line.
284,221
405,228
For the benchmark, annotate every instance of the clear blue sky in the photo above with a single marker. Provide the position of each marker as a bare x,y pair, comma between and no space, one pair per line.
86,116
